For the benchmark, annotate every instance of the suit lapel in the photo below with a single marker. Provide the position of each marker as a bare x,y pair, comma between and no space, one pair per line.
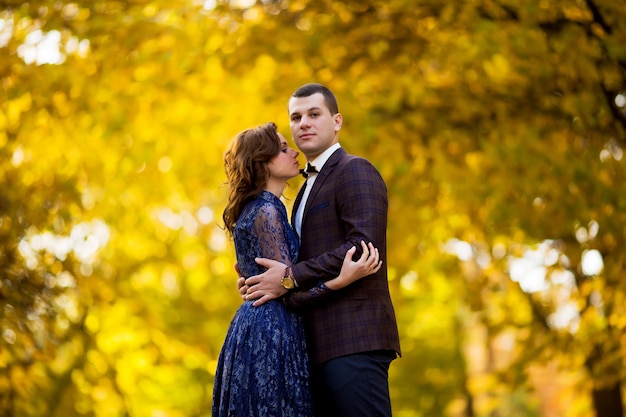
296,204
328,168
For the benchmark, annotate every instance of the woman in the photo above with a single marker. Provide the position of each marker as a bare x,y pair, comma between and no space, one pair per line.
263,366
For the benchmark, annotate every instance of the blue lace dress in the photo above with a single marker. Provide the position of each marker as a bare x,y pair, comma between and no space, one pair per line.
263,366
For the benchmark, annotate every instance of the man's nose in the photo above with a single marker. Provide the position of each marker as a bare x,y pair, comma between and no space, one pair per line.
305,121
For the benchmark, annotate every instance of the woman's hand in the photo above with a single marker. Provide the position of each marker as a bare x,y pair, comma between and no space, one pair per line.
368,264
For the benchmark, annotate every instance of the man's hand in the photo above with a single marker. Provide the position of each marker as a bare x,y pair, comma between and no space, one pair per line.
241,283
266,286
242,287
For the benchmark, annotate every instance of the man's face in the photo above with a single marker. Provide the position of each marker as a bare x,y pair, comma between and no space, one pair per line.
313,128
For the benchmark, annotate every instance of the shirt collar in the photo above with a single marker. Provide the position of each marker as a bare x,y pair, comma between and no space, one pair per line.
319,162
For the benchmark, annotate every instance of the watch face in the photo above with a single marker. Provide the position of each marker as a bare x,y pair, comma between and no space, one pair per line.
287,282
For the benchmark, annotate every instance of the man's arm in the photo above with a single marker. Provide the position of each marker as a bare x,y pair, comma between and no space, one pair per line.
262,291
362,205
266,286
360,198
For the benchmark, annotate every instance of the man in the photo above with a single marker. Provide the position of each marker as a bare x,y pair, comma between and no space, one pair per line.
352,333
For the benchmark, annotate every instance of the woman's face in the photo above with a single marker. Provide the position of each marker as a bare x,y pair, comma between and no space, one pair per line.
285,164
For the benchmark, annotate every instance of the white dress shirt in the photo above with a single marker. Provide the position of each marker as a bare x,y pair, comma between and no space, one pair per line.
318,163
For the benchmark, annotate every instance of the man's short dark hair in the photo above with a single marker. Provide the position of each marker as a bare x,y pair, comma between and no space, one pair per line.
329,98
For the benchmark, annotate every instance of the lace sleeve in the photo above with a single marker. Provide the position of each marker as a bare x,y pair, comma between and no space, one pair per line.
271,233
300,299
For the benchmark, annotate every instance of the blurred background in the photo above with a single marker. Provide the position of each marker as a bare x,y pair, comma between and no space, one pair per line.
498,125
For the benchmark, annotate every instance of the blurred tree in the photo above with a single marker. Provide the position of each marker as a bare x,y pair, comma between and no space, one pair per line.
127,325
485,121
498,126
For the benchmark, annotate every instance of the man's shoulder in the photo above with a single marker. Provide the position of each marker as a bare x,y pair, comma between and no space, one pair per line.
350,167
341,156
355,162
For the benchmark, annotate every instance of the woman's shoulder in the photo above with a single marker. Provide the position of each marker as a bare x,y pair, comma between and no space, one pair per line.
263,202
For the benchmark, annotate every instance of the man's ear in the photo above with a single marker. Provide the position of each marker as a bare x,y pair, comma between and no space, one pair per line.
338,121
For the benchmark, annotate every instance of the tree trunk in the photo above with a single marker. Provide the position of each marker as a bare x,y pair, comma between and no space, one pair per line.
608,401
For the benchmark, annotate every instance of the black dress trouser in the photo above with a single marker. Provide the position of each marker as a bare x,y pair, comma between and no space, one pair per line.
353,385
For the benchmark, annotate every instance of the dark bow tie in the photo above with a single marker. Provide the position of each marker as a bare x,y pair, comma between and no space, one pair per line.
310,169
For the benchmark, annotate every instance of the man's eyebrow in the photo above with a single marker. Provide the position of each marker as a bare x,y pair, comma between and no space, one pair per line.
309,109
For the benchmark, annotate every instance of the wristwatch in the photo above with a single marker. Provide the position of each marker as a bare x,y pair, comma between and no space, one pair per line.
287,281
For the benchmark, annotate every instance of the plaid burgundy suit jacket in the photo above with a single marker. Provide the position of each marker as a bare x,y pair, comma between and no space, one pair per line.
347,204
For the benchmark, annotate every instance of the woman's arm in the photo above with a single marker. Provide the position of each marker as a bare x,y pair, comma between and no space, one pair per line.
367,264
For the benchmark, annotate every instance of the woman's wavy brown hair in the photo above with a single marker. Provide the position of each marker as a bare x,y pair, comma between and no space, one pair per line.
245,163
